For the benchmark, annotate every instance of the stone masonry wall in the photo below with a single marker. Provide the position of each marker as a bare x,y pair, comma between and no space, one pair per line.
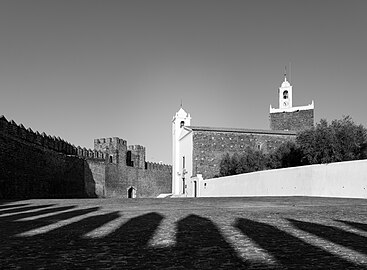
32,171
34,165
149,182
297,121
210,147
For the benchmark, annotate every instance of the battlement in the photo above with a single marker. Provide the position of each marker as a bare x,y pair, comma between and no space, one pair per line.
157,166
90,154
136,147
57,144
113,140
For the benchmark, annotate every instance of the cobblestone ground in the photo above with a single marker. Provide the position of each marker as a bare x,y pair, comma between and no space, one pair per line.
197,233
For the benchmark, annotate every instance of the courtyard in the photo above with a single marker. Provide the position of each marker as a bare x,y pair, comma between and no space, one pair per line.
190,233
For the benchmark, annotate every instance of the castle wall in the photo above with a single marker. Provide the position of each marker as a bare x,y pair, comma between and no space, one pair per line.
297,120
149,182
36,165
33,171
154,180
95,178
209,147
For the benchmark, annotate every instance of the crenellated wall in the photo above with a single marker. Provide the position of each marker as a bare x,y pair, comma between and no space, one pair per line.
35,165
130,169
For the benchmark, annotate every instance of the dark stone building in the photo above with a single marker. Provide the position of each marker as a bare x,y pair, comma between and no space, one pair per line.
210,144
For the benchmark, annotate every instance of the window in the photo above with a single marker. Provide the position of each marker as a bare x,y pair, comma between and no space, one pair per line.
183,162
111,158
285,94
182,124
129,161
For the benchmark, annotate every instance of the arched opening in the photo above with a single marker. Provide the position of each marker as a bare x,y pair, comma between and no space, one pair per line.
195,189
182,124
285,94
111,159
131,192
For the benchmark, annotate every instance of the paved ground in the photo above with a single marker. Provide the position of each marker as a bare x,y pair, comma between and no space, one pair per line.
201,233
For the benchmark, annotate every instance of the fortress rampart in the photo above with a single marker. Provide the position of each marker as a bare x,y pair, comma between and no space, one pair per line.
50,142
36,165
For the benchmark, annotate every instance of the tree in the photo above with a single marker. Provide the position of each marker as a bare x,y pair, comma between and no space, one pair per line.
342,140
225,165
288,154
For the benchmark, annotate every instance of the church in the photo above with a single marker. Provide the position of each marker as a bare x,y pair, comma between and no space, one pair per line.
198,150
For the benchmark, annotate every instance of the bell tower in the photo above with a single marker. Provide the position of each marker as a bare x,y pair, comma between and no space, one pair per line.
287,116
179,121
285,94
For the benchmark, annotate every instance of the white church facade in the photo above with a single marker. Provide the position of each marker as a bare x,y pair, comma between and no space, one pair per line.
197,151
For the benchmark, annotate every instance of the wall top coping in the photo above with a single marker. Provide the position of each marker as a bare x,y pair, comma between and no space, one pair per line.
293,109
243,130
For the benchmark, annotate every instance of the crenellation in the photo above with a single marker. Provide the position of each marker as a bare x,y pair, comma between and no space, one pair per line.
151,166
3,124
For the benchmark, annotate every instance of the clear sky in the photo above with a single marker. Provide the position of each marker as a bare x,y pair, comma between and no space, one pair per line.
91,69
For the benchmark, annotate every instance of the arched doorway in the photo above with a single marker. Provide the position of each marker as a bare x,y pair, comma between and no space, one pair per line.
131,192
195,189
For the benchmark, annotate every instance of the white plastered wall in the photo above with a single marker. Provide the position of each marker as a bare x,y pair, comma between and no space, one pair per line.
342,179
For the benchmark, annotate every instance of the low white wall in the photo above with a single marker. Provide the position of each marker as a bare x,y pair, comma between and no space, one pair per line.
342,179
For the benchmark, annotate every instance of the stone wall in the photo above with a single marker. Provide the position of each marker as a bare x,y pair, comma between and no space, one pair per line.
209,146
35,165
148,182
297,120
33,171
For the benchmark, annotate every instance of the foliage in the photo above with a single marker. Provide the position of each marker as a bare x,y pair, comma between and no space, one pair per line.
286,155
342,140
249,161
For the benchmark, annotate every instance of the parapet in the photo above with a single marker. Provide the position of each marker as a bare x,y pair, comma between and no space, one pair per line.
109,144
90,154
136,147
153,166
53,143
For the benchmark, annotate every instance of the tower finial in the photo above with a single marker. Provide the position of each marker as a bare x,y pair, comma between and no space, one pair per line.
181,102
285,73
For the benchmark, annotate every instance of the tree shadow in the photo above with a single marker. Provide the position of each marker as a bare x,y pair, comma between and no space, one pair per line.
11,226
333,234
24,208
288,250
199,243
6,206
357,225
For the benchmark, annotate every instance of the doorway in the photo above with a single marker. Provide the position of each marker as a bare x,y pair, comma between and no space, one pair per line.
131,192
195,189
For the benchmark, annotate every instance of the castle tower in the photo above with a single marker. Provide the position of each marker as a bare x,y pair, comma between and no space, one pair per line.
180,119
288,117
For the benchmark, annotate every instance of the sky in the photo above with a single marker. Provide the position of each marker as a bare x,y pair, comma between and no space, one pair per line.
90,69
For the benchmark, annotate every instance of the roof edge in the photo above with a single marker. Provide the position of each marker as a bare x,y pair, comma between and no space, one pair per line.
242,130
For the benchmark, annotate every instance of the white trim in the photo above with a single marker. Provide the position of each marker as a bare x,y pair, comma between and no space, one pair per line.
293,109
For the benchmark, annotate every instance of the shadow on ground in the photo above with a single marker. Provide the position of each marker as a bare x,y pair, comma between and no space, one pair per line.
199,243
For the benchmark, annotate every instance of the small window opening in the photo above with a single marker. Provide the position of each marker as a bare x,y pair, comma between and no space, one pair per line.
285,94
129,161
182,124
111,159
